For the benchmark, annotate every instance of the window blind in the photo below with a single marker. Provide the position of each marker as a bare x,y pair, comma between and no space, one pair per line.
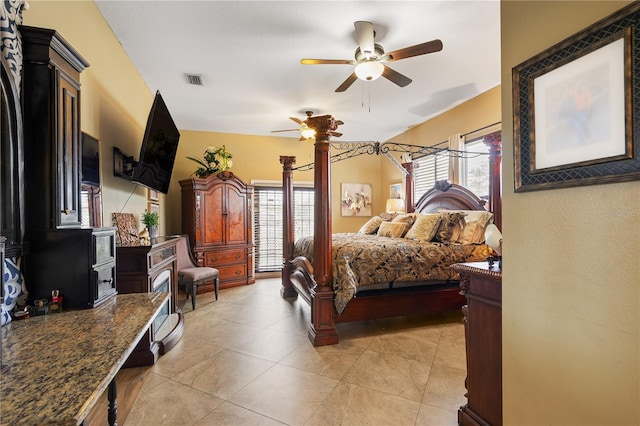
268,223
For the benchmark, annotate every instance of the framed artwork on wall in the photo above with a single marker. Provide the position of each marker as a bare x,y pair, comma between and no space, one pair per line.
153,207
356,199
153,195
575,108
395,190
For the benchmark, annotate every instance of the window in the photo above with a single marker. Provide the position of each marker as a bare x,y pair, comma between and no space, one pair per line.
475,173
430,168
268,223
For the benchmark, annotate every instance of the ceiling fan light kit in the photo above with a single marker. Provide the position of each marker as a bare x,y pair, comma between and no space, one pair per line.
369,70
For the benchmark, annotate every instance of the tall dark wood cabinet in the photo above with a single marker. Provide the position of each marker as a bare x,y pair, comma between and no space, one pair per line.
217,216
60,255
482,286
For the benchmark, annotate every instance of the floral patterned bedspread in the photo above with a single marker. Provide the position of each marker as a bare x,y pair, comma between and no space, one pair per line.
361,260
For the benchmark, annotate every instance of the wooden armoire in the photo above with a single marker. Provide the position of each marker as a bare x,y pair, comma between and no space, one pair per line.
217,217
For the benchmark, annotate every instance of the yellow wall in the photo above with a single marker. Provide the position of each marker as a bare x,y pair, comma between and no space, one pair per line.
115,105
571,274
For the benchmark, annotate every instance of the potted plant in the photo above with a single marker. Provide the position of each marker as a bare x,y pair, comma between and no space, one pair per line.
150,219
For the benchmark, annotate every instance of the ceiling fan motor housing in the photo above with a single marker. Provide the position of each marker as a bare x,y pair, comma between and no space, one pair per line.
376,55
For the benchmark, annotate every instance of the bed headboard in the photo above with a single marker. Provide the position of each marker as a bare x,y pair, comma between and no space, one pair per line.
449,196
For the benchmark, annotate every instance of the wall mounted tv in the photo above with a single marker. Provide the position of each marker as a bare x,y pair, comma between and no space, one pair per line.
159,148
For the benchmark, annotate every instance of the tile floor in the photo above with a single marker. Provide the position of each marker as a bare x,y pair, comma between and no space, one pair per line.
245,360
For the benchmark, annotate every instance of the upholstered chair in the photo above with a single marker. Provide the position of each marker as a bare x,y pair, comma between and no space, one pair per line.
190,275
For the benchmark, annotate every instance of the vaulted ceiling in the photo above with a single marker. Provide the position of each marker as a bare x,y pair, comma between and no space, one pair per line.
248,53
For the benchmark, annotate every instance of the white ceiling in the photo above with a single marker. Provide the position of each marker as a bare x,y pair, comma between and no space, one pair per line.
248,53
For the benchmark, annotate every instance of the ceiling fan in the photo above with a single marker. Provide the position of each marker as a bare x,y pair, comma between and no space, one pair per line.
306,132
370,58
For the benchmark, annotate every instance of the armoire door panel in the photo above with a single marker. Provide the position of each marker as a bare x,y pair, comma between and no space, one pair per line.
236,217
211,215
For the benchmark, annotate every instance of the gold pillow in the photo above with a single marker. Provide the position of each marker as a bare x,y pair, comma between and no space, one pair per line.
407,218
392,229
424,228
475,223
451,225
372,225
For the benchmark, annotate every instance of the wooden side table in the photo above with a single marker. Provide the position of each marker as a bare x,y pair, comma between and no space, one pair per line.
482,286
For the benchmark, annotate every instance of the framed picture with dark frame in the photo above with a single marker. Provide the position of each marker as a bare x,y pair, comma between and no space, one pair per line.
575,108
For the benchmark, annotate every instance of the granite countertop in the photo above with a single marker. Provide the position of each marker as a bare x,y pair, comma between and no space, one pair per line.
60,364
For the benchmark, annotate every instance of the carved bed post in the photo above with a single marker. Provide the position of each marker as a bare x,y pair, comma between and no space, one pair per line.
321,329
287,289
494,142
408,187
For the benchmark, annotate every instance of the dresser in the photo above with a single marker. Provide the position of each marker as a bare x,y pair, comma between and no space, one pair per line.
481,284
217,217
145,268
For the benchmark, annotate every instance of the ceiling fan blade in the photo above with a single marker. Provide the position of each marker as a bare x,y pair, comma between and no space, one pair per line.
287,130
418,49
348,82
364,37
297,120
339,122
327,61
336,134
394,76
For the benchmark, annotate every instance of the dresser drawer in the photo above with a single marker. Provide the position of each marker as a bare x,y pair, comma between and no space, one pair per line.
232,272
104,243
160,256
105,281
214,258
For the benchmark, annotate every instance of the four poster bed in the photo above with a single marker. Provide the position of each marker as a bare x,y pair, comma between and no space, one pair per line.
352,277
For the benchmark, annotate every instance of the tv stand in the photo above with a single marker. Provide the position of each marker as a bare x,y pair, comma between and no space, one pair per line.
145,268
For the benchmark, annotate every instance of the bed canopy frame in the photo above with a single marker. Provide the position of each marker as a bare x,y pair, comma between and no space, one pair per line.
313,283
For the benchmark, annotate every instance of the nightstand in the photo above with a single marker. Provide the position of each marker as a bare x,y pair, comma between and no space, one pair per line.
482,286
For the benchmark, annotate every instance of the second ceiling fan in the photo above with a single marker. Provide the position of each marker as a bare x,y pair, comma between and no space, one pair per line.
370,58
306,132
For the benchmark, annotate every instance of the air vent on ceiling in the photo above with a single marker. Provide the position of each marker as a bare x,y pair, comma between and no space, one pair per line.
195,79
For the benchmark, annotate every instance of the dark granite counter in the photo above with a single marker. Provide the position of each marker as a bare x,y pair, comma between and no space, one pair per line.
58,365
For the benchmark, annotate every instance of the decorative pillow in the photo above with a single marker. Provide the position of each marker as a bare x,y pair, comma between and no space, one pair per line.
476,222
13,288
388,216
451,225
372,225
424,228
408,218
392,229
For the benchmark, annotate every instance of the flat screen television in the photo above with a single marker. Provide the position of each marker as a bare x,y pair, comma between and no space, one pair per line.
159,148
90,160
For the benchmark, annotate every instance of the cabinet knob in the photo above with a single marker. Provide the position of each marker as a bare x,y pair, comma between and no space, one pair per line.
66,211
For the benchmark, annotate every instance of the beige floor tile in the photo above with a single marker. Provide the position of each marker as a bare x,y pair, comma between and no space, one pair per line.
445,388
431,416
187,353
286,394
171,404
225,373
297,323
245,359
417,344
392,374
232,415
350,404
327,361
272,345
451,348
